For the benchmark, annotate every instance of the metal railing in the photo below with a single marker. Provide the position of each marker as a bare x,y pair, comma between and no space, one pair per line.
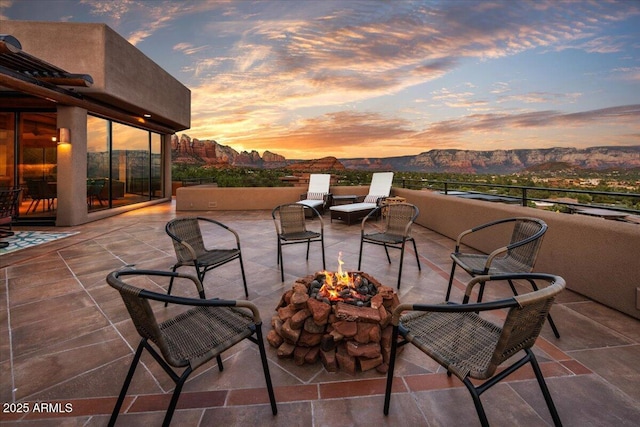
197,181
524,196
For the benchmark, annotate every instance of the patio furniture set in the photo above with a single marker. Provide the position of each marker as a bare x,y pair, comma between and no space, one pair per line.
457,336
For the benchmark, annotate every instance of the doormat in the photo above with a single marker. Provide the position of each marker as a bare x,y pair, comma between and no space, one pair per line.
28,239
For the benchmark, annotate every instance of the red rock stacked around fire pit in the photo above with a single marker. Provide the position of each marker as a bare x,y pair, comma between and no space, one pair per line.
353,335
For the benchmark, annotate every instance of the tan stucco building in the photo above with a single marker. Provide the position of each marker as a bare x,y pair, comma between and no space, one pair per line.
85,122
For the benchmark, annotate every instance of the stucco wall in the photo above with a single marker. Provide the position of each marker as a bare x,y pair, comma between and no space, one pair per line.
598,258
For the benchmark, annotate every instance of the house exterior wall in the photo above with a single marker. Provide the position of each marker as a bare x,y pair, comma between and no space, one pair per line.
126,85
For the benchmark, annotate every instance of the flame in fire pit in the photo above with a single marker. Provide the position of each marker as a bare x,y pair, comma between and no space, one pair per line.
344,286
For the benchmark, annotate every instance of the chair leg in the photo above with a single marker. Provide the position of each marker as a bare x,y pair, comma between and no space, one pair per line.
281,261
308,245
544,389
201,274
360,256
125,386
324,265
549,318
453,269
265,369
219,360
244,278
401,262
481,292
553,326
173,269
392,364
415,249
476,401
174,398
387,252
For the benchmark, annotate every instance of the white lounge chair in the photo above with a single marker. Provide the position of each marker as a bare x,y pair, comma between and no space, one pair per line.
316,196
379,189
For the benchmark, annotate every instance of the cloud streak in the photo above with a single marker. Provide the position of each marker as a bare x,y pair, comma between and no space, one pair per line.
306,79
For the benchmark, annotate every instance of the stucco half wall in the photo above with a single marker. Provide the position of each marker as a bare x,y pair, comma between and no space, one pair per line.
598,258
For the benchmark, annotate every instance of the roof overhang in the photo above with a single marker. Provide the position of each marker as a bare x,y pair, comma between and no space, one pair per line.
27,81
32,69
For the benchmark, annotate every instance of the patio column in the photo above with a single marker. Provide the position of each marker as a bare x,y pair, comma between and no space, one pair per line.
72,168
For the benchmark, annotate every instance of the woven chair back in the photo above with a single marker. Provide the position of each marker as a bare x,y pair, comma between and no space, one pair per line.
186,229
140,312
292,219
524,256
9,202
523,323
398,216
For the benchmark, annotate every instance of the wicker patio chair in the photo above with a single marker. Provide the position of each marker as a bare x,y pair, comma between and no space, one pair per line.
190,249
469,346
291,229
8,208
398,219
517,256
41,191
191,338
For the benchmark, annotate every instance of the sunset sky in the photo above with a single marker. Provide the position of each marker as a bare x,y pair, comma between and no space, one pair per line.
349,78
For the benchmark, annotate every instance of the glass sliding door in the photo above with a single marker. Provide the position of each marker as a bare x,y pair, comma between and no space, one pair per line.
100,192
124,164
7,151
130,161
156,166
37,165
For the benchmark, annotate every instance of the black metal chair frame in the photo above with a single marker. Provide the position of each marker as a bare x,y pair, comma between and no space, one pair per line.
389,239
489,376
301,235
225,255
489,267
114,280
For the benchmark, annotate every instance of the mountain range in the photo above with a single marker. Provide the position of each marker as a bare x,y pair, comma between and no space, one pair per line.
208,152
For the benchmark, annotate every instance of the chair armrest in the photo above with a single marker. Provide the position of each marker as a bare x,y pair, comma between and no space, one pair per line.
213,302
115,276
372,214
519,300
550,278
450,307
229,229
303,196
480,227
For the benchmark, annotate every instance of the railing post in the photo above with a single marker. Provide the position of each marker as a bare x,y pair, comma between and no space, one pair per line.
446,188
524,197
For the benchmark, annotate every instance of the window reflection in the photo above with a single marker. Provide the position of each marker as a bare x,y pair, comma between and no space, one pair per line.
128,172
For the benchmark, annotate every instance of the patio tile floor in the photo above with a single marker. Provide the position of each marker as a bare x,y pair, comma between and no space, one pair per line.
65,337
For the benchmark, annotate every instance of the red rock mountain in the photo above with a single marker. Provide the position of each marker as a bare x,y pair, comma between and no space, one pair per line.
194,151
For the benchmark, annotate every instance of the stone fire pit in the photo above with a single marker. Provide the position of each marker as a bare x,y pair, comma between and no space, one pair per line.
340,319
